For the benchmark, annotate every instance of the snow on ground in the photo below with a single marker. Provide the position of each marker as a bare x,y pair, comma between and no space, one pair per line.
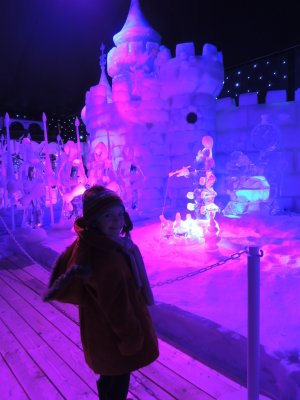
220,294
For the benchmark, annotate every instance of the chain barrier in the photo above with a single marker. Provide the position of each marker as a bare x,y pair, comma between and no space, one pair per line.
179,278
17,243
233,256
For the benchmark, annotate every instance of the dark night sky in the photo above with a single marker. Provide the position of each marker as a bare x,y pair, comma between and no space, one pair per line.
50,48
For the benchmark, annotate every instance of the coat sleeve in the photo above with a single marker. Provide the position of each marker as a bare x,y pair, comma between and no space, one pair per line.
119,301
66,281
67,288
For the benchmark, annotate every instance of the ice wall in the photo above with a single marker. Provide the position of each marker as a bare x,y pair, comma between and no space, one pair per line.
268,134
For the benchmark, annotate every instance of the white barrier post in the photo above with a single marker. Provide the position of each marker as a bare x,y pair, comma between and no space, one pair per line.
253,351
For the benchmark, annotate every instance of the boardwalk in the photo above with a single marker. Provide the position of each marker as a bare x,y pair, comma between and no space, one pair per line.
41,355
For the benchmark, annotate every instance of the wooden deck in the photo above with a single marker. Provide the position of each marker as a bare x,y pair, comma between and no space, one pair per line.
41,355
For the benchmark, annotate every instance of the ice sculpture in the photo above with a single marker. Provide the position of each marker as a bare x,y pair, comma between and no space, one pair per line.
33,176
247,190
255,184
211,234
96,163
11,185
3,172
129,176
266,138
71,180
34,191
179,227
204,179
166,228
203,197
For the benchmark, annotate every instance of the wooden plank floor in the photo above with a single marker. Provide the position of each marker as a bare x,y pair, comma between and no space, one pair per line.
41,355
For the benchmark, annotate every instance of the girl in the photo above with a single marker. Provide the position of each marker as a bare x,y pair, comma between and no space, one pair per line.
103,272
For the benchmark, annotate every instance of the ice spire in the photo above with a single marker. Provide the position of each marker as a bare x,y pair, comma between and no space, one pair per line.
136,27
103,77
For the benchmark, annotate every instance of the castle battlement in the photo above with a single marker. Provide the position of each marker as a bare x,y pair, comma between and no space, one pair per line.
247,99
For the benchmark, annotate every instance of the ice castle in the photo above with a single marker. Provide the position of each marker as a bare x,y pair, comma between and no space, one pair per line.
153,117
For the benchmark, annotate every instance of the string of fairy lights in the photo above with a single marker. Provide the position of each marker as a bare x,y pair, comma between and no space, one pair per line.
65,126
272,72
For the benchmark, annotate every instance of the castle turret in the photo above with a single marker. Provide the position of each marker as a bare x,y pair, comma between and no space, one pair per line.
96,113
136,28
132,66
137,45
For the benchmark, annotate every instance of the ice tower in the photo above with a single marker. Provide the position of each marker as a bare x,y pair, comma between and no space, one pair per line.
152,120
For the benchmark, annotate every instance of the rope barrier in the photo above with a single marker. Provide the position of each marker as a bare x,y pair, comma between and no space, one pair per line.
17,243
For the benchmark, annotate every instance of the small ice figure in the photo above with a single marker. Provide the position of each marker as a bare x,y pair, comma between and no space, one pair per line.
193,227
130,177
166,228
211,234
189,224
178,226
71,180
32,201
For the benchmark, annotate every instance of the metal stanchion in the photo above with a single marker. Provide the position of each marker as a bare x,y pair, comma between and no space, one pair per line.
253,351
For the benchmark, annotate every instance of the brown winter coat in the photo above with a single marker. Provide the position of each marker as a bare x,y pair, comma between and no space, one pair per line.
116,328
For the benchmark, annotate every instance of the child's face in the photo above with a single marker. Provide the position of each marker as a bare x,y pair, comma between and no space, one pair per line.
111,221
